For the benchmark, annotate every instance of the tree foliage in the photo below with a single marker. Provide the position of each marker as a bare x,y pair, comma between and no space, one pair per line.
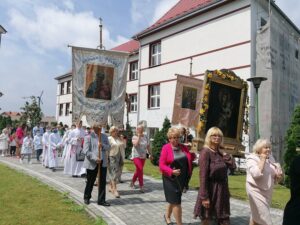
31,112
4,122
292,141
160,138
128,134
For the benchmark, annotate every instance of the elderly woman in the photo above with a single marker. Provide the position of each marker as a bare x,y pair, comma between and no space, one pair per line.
213,194
140,149
115,159
175,163
262,172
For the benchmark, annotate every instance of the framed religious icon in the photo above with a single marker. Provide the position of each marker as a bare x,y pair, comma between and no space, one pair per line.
99,82
224,105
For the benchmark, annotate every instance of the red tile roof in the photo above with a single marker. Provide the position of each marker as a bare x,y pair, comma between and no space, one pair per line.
11,113
183,7
130,46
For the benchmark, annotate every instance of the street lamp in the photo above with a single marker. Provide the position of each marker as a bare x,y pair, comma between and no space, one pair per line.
256,81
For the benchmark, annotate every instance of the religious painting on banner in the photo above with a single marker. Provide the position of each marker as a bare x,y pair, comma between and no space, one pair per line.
99,85
187,101
99,81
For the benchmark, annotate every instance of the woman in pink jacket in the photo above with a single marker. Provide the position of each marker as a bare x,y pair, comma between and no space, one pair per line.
175,163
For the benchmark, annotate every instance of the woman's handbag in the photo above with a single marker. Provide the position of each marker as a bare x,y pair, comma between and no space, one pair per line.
80,155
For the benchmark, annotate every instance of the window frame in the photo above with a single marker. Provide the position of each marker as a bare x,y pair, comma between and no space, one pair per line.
60,109
136,71
156,55
133,104
62,88
154,96
69,87
67,109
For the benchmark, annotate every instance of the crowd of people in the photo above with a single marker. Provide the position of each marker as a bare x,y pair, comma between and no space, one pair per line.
92,153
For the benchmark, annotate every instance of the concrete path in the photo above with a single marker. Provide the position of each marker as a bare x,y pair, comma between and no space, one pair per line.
133,208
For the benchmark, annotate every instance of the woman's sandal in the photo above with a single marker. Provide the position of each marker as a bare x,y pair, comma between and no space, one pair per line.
170,223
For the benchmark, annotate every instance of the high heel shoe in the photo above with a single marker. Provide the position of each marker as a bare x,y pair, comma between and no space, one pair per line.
165,218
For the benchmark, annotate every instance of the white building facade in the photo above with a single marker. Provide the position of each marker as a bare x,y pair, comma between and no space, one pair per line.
189,39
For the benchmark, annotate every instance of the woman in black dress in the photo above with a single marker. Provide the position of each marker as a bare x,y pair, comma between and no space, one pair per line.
175,163
213,195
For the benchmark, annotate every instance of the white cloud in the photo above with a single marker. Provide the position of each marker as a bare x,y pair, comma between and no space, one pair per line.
161,8
69,4
53,29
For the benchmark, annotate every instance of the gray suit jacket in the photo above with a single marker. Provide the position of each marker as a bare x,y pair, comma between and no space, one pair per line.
90,149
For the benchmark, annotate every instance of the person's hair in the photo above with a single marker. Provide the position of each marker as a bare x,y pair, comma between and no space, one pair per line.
173,131
213,131
112,129
259,144
140,126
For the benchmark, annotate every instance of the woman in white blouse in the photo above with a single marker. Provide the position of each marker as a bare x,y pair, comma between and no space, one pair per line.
262,173
115,159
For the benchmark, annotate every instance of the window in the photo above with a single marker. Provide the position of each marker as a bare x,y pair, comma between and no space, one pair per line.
297,54
62,88
61,108
154,96
69,87
133,75
262,22
155,52
133,102
67,112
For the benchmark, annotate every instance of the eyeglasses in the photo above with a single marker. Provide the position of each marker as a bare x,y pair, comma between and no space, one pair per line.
175,137
216,136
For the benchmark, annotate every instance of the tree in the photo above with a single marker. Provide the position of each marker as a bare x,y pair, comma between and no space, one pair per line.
292,141
31,113
4,121
128,133
160,138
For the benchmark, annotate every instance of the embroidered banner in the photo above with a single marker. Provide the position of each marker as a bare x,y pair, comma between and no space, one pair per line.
99,85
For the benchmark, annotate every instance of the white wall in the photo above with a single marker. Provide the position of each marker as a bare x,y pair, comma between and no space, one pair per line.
229,30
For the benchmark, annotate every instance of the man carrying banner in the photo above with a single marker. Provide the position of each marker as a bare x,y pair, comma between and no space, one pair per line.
92,145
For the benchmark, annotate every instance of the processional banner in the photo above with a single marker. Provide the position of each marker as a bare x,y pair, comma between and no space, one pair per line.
99,85
187,101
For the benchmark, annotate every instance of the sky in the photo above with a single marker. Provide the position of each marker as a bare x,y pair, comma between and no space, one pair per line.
35,48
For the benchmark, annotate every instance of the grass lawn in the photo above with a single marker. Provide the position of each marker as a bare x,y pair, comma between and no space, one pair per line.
26,201
237,188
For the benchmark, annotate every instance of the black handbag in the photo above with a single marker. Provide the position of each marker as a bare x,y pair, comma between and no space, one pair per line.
80,155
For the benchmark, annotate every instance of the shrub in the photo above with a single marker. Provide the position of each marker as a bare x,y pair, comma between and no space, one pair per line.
292,141
160,138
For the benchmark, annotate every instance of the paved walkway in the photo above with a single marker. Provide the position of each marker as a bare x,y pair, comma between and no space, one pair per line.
133,208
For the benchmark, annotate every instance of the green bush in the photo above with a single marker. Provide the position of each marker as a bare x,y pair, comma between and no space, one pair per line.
160,138
128,133
292,141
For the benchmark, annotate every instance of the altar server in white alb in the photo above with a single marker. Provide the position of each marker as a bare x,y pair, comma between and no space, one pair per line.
54,146
4,140
76,141
27,147
45,141
38,145
66,146
66,156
